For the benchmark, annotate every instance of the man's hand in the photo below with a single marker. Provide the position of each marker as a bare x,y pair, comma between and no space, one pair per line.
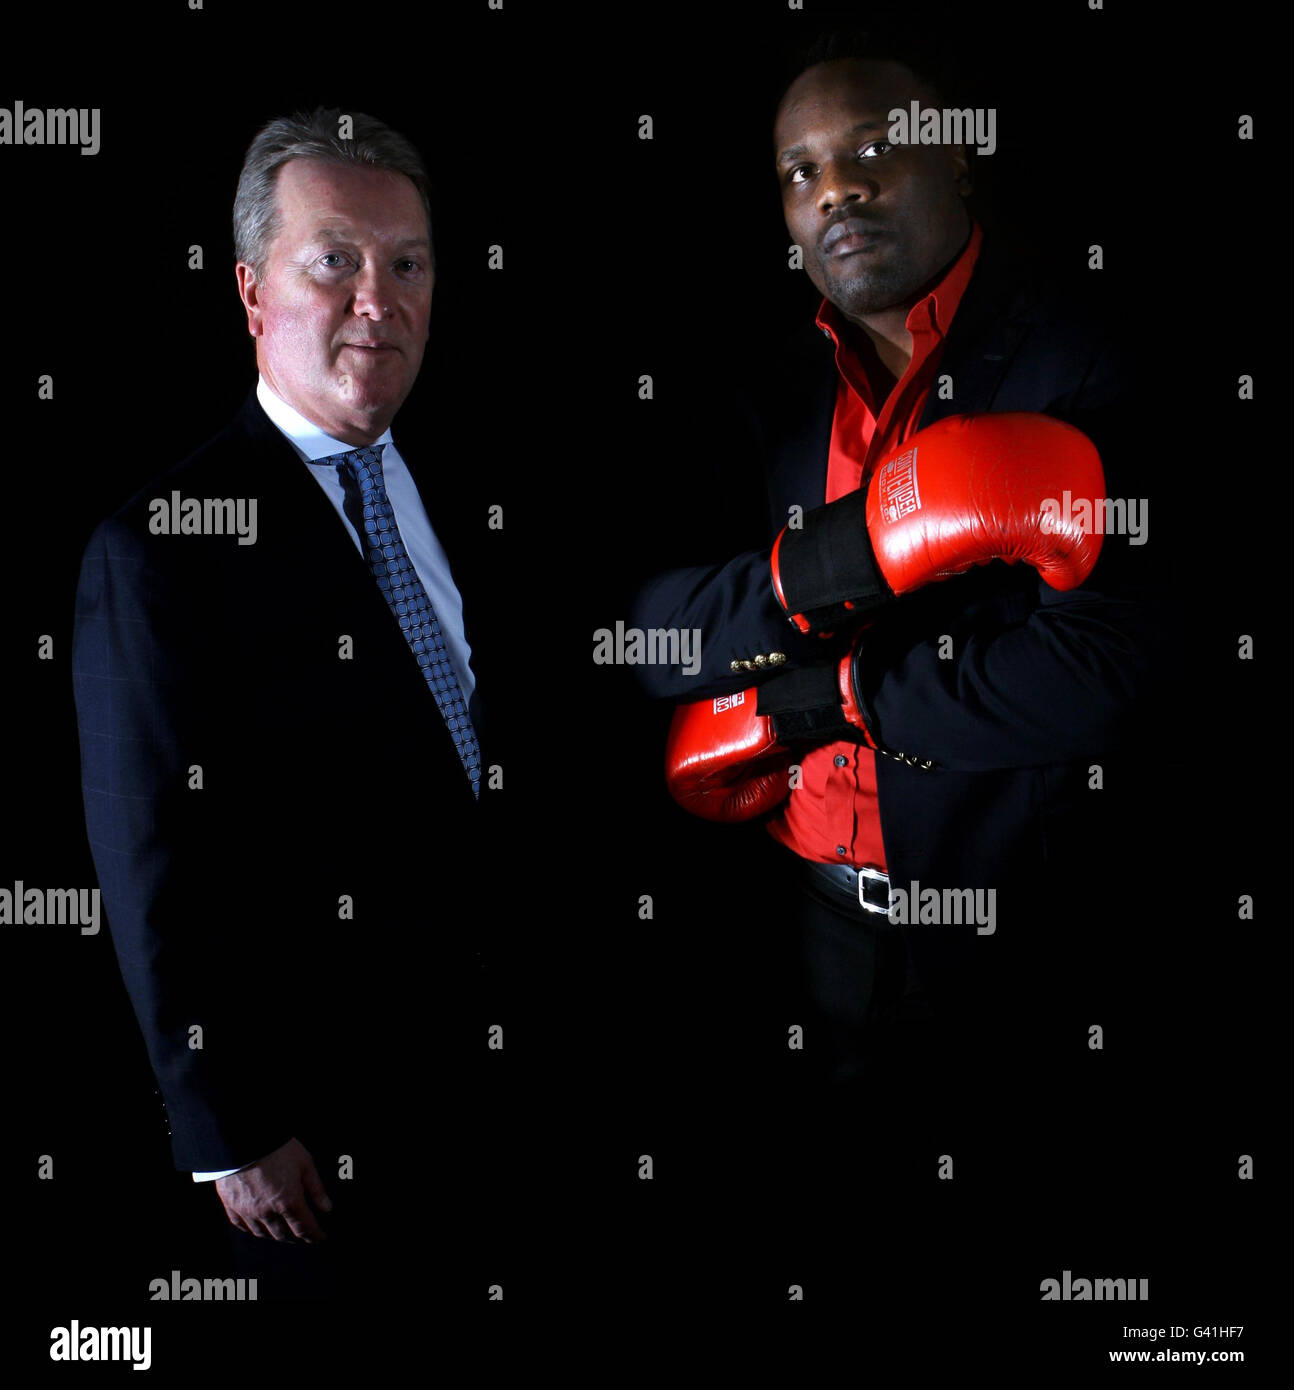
273,1197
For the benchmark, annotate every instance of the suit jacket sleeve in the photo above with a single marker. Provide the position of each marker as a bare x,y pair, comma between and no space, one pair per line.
144,720
992,669
715,505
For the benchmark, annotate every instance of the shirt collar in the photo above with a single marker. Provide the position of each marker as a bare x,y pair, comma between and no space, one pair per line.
310,442
935,308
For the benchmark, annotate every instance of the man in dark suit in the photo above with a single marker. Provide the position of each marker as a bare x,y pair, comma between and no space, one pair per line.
283,746
983,701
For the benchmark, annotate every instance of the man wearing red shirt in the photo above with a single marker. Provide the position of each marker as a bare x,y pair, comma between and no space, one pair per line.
981,702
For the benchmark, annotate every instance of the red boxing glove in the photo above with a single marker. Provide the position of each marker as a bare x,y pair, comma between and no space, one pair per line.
726,762
965,491
723,761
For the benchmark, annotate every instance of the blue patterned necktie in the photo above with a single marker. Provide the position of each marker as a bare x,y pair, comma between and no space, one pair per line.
407,599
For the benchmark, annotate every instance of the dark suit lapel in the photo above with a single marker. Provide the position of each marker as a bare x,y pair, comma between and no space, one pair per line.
990,325
297,519
800,447
305,536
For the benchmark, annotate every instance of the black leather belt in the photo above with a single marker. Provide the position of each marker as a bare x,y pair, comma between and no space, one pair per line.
867,889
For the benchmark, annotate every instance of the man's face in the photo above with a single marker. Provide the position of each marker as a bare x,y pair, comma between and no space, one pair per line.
340,316
876,220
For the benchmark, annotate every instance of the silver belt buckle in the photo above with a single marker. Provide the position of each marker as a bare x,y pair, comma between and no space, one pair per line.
879,876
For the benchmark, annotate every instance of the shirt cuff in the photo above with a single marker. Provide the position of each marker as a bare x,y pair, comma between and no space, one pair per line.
222,1173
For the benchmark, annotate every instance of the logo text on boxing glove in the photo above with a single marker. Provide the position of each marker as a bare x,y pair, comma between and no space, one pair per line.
898,491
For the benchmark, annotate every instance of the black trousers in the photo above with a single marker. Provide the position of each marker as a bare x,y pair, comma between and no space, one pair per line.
941,1031
867,1001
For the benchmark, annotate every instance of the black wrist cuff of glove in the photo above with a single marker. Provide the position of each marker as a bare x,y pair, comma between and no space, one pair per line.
804,705
828,569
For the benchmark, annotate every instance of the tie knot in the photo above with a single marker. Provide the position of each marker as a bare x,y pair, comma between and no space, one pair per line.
364,465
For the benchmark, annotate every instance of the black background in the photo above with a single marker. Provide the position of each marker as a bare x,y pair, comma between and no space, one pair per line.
625,1036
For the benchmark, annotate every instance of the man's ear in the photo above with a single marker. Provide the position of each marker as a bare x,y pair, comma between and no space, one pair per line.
961,160
249,292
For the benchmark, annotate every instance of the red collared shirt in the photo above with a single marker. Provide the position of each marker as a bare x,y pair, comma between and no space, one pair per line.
832,816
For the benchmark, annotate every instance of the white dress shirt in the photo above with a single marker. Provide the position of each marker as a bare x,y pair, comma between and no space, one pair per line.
425,551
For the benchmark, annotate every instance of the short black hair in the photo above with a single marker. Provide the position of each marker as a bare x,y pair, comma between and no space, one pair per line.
927,41
920,42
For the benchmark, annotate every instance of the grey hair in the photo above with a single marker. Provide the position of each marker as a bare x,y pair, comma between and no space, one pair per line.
312,136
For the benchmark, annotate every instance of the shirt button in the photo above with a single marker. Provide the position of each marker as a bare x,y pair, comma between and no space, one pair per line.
840,850
840,760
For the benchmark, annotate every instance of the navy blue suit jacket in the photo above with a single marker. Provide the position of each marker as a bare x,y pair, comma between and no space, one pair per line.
322,778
